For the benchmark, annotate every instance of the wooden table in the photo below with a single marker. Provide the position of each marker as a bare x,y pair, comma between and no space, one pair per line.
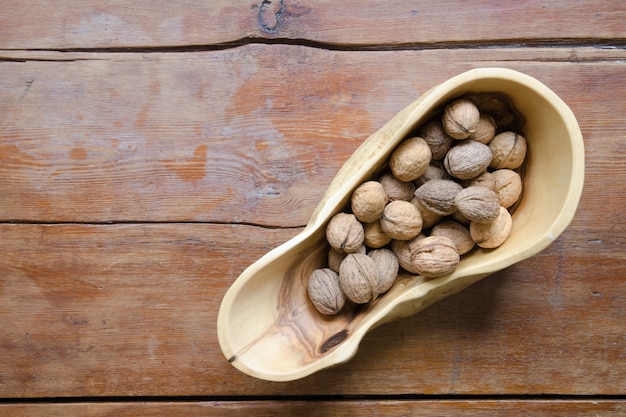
151,150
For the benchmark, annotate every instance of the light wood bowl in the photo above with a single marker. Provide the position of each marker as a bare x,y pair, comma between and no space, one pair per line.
266,325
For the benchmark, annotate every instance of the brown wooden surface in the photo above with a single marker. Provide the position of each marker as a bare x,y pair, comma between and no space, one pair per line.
150,151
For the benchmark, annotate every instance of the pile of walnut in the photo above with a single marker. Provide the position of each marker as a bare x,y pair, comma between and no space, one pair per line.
447,189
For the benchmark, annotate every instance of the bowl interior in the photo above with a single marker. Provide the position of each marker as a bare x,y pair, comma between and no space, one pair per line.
268,328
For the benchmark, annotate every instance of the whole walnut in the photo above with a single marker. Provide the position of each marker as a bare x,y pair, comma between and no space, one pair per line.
335,257
396,189
403,250
508,186
368,201
401,220
435,256
467,160
388,266
438,196
478,204
359,278
375,237
437,139
486,179
508,149
429,218
458,233
485,129
345,233
460,118
325,292
410,159
491,235
434,171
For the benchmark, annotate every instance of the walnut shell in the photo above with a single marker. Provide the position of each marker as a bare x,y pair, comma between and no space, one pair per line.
429,218
410,159
486,179
375,237
345,233
368,201
497,107
435,256
460,118
467,160
335,257
508,186
478,204
458,233
485,129
396,189
401,220
508,149
438,196
325,292
388,266
434,171
403,250
437,139
358,278
491,235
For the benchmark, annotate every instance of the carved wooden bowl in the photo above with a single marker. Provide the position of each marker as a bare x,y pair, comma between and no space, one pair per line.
267,326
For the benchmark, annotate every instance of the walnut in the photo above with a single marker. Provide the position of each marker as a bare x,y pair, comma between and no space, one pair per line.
325,292
375,237
486,179
396,189
508,186
467,160
491,235
410,159
403,249
335,257
438,196
478,204
358,278
435,170
460,118
437,139
508,149
495,106
401,220
388,266
368,201
458,233
429,218
345,233
485,129
435,256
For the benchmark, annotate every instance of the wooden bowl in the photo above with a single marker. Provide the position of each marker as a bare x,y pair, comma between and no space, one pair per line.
267,326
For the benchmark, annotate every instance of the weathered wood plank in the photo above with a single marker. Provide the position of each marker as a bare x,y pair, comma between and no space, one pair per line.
130,310
251,134
97,24
601,408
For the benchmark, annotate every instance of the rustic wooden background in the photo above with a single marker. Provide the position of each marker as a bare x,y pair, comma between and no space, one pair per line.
151,150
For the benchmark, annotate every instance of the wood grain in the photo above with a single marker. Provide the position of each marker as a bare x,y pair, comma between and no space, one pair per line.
123,310
158,24
426,408
151,150
249,135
